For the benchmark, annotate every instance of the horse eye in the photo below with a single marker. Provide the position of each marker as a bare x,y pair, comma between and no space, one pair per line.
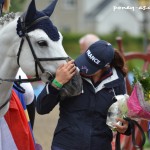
42,43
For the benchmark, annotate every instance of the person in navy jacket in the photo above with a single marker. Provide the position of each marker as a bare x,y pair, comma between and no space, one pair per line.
82,118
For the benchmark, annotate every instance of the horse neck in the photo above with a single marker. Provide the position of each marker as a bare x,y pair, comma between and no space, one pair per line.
8,70
9,41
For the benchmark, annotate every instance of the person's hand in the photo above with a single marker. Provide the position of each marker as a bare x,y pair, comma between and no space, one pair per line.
65,72
123,127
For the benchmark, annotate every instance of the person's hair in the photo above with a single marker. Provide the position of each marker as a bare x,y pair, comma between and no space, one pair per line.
119,62
87,40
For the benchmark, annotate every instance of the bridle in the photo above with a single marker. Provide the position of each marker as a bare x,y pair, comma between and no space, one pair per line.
36,59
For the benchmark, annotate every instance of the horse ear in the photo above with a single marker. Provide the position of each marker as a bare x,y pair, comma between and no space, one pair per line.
30,12
49,10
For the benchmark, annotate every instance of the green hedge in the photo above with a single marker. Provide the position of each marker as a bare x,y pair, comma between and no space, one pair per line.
71,44
17,5
130,44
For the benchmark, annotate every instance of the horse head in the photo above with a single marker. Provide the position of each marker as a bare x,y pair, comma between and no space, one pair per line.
42,47
36,47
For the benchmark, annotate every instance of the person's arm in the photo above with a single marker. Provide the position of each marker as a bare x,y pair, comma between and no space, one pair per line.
49,97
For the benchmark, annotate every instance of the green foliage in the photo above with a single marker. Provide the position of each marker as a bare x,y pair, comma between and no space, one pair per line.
17,5
147,143
135,62
130,43
71,44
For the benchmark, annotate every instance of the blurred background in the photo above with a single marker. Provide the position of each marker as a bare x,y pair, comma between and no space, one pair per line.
106,18
109,19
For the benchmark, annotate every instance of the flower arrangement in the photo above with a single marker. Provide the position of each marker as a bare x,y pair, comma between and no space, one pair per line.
136,105
144,79
139,100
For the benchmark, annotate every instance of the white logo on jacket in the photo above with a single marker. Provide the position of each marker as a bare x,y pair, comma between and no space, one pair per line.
93,58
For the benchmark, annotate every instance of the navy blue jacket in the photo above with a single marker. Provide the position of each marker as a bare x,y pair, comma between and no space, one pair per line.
82,122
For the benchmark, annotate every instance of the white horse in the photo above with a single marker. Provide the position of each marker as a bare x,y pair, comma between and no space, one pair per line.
34,54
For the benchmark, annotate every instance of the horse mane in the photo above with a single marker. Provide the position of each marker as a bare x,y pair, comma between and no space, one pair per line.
7,18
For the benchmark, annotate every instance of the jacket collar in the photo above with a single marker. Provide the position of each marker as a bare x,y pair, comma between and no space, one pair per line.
109,82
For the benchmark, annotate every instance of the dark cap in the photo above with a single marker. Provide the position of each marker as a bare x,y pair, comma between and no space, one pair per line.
96,57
